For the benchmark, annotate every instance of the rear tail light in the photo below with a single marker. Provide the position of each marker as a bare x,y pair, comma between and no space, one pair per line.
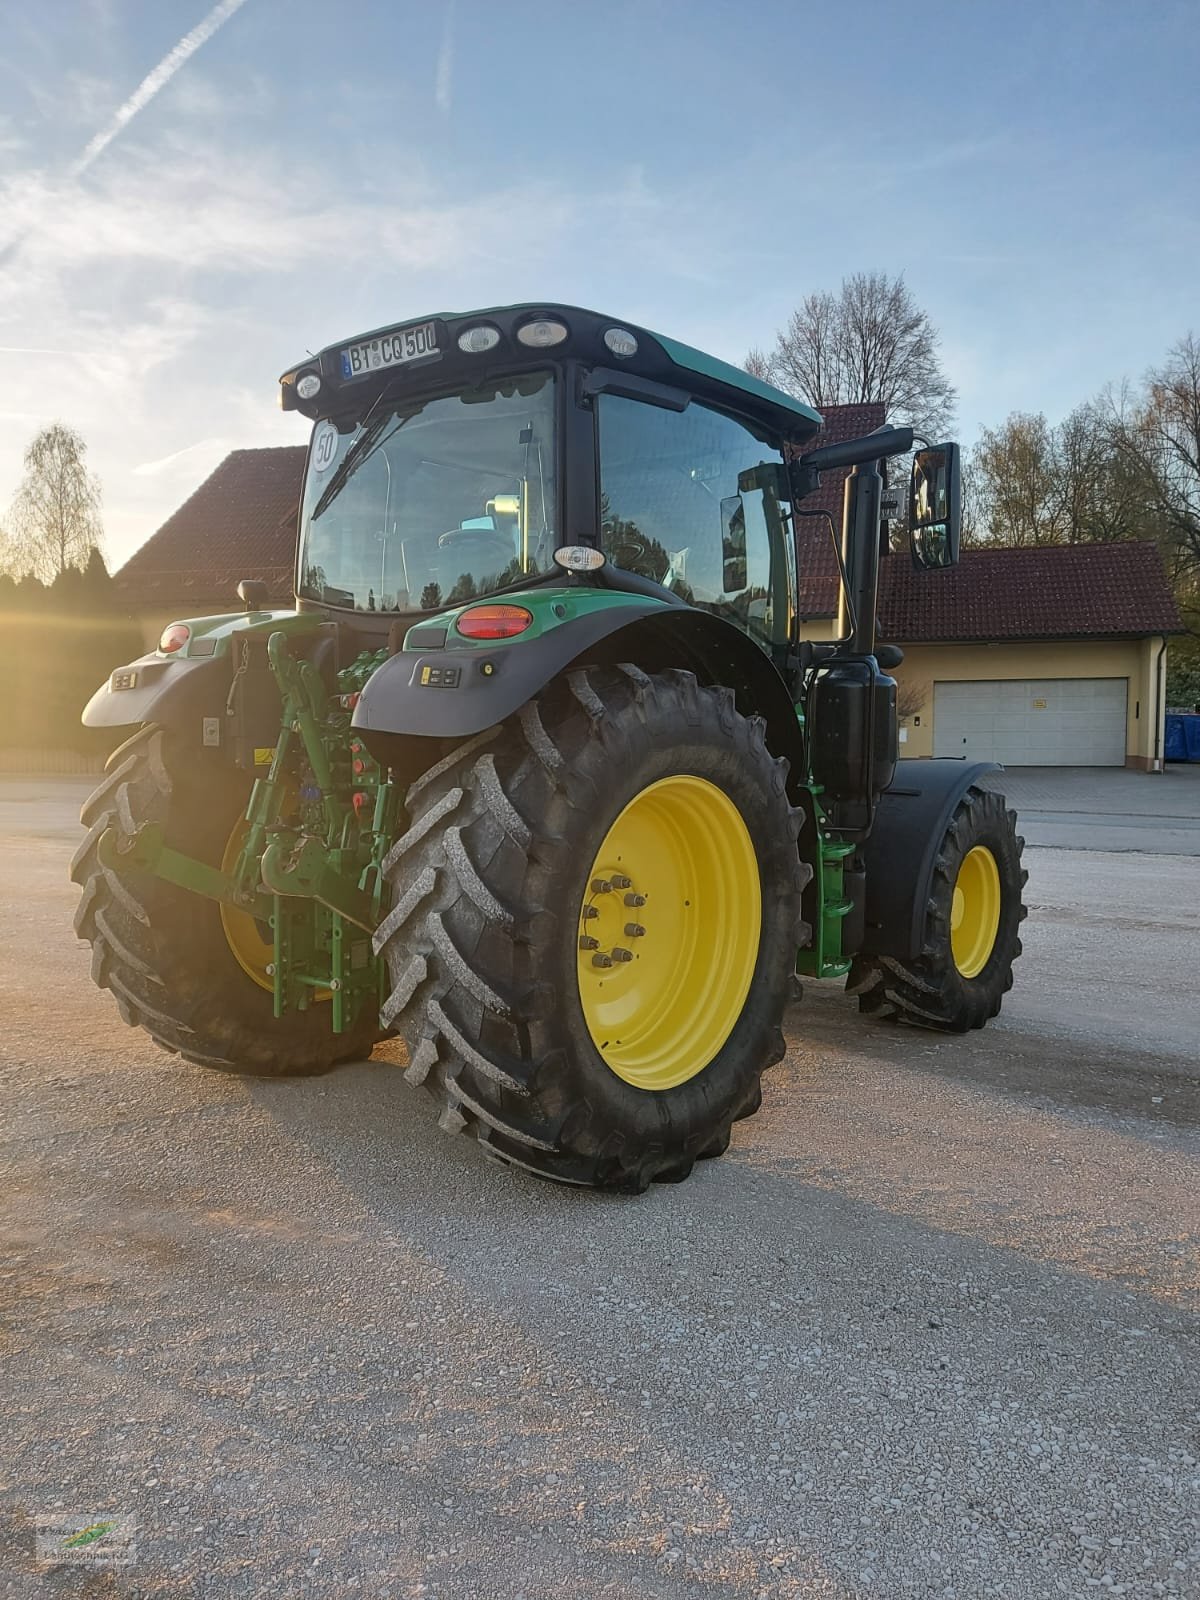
493,622
173,637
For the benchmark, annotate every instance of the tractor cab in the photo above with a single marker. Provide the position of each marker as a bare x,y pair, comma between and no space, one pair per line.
450,458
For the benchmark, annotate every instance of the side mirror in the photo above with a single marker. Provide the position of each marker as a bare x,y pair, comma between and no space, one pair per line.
252,592
733,544
935,507
772,477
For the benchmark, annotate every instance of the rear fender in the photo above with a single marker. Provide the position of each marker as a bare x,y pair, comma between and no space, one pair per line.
720,655
444,686
183,690
910,824
158,688
430,690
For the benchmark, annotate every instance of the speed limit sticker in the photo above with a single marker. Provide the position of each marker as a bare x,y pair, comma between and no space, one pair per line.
324,446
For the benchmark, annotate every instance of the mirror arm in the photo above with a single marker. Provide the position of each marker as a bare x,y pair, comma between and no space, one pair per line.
859,598
855,452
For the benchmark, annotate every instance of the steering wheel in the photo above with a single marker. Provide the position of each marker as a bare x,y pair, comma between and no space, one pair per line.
456,536
488,549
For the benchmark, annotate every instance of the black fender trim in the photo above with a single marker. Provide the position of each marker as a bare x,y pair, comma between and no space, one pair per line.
910,823
720,654
396,701
168,691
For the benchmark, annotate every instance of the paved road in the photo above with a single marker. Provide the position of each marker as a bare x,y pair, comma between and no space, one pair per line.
1107,808
930,1329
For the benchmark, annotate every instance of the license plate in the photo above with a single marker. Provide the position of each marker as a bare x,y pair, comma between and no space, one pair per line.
390,350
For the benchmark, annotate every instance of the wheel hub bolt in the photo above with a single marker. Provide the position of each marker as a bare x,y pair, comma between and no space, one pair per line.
620,955
601,960
586,942
635,899
601,886
621,882
634,930
589,912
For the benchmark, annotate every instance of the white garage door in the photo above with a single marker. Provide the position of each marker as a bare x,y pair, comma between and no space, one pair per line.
1054,722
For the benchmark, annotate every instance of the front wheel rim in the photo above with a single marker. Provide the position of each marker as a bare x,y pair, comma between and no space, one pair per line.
248,941
669,931
975,911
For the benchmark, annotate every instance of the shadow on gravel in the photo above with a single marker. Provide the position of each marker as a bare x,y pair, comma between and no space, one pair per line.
905,1149
1160,1090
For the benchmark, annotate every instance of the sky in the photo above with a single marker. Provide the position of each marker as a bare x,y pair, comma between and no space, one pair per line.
194,194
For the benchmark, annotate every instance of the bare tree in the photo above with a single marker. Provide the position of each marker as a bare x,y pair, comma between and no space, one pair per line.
1102,497
10,559
806,360
757,364
974,506
1014,475
869,342
911,698
55,516
1157,435
1032,484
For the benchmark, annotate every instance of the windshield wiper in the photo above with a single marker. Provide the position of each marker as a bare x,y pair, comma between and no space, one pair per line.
361,450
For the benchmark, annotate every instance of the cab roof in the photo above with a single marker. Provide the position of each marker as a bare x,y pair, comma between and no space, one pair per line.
657,360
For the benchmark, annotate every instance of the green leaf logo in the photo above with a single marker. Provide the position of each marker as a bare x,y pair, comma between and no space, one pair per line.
88,1535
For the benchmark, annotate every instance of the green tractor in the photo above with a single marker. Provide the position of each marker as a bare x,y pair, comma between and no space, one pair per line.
538,773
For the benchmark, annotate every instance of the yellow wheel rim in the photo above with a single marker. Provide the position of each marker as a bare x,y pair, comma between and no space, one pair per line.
249,939
975,912
246,937
669,930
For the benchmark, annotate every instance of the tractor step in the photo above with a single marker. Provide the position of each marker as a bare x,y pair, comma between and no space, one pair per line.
823,957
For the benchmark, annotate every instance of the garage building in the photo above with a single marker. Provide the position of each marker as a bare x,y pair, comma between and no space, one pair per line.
1046,657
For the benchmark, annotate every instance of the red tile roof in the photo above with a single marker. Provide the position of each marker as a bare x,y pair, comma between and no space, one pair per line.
1066,591
240,523
1051,592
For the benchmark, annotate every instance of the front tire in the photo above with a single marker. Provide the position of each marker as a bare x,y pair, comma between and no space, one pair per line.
178,965
494,890
972,928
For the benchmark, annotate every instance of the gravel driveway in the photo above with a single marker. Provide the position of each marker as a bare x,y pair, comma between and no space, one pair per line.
929,1329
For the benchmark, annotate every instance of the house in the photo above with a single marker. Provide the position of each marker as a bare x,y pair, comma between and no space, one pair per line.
240,523
1052,656
1036,657
1045,657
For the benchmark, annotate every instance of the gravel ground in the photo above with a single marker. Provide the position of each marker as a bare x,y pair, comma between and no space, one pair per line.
929,1329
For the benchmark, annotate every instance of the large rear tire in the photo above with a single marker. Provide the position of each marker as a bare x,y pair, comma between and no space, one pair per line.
972,922
596,911
182,967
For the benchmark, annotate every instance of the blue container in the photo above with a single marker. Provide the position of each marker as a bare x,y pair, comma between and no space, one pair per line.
1191,736
1174,739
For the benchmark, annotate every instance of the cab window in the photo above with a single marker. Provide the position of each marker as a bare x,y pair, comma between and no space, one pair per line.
670,509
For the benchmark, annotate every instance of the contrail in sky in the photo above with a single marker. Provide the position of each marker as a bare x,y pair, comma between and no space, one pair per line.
445,63
156,80
138,100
